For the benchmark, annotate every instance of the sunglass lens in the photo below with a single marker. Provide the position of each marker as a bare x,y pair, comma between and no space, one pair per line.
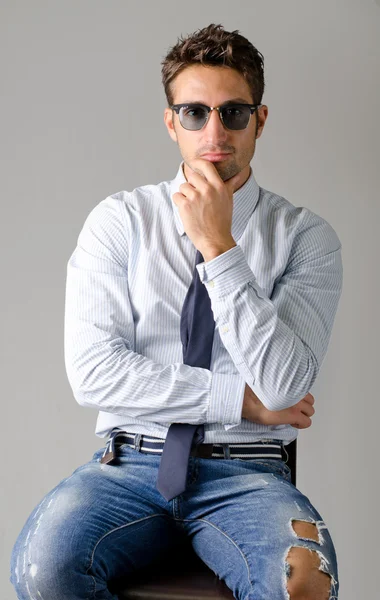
236,117
193,117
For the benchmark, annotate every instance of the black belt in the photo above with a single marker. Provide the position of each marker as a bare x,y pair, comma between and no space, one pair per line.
270,449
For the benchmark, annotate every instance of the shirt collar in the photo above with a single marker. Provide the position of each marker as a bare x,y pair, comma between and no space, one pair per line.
245,201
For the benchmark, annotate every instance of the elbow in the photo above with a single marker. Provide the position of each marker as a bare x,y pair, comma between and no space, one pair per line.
84,399
92,374
290,389
81,395
78,381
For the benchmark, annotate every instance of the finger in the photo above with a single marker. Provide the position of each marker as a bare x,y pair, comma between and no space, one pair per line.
188,190
307,409
197,178
302,414
309,398
302,423
206,170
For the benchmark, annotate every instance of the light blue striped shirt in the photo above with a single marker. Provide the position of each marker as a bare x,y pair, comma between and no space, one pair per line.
274,298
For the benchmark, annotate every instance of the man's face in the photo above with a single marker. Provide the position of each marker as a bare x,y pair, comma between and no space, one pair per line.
214,86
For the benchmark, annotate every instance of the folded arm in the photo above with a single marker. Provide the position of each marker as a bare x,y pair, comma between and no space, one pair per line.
278,344
102,367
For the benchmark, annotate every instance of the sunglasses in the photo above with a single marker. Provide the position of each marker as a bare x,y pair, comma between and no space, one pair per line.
233,116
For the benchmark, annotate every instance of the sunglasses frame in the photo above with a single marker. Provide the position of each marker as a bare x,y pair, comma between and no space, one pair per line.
177,108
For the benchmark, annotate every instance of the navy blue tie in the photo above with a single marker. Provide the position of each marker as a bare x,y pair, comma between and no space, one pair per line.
197,334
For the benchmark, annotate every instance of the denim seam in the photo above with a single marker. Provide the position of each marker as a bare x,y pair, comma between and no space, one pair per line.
229,538
112,531
278,468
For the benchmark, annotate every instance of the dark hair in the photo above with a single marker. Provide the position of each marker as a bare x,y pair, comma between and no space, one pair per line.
213,45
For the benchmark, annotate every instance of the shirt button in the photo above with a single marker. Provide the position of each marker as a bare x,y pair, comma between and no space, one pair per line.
211,283
225,328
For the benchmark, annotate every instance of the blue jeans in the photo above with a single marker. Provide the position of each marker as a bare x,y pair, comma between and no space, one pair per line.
105,520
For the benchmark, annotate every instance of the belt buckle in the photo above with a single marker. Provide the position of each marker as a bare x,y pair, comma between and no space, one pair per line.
109,457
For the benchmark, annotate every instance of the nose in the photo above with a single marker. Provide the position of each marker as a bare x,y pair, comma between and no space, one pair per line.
214,128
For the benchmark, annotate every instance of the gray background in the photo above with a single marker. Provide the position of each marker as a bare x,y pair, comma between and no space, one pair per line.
82,117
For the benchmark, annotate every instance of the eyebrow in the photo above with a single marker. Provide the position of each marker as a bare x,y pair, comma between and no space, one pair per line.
232,101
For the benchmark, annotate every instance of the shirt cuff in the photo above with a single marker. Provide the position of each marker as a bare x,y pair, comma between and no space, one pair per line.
226,403
226,273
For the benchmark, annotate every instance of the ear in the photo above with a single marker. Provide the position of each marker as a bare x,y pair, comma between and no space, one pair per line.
168,119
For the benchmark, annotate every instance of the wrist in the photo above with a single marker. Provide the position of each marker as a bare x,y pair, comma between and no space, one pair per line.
218,249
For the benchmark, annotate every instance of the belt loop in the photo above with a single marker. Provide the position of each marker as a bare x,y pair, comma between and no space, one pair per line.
226,450
287,455
137,441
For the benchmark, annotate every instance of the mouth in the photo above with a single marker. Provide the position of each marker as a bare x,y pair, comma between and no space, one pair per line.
215,157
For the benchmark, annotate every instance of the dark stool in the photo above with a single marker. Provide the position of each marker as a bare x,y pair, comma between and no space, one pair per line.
181,574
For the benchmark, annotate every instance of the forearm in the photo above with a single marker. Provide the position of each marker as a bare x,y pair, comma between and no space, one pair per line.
276,352
104,373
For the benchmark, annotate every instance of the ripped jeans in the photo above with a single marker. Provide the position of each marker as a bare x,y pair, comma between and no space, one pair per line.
104,521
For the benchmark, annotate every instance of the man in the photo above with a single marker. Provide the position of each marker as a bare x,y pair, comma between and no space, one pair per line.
273,274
